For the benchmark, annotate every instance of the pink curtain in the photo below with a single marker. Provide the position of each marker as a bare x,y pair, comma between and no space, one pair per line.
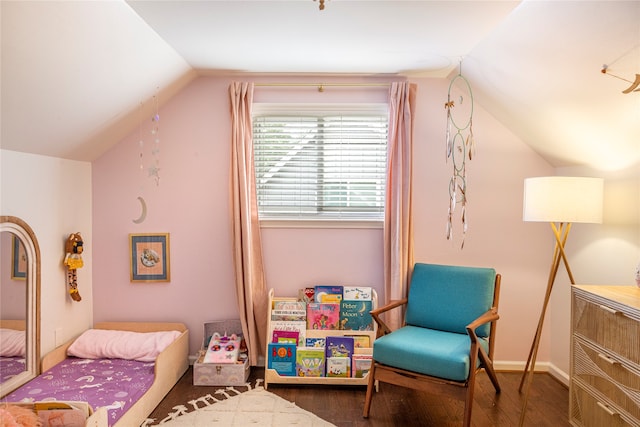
398,218
247,243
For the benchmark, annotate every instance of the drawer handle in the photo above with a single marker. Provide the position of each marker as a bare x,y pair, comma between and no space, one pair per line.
607,409
607,359
609,309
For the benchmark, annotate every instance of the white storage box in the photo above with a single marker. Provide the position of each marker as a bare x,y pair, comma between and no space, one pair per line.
230,374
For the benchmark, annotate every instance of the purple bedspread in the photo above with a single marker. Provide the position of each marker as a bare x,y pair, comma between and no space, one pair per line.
10,366
114,383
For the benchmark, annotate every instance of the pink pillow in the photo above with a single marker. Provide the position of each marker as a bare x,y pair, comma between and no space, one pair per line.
12,343
107,343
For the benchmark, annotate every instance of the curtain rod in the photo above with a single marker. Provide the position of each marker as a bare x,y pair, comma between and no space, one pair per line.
321,86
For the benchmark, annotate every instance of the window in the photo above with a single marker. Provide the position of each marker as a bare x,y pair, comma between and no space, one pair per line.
320,161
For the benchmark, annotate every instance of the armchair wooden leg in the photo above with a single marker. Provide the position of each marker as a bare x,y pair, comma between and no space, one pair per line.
488,367
468,404
493,377
370,386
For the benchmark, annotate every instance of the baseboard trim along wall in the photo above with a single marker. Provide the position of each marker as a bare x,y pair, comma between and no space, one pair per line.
499,365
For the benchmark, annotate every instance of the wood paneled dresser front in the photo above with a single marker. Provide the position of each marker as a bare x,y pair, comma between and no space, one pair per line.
605,356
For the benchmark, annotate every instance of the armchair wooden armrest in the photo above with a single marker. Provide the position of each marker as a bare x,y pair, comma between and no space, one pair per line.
383,329
488,316
477,350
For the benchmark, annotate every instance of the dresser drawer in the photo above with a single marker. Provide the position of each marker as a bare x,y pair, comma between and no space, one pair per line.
589,411
617,380
609,328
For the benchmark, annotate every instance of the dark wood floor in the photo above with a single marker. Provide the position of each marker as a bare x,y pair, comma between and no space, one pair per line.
395,406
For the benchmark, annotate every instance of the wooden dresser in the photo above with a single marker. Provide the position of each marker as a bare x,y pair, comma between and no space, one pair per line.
605,356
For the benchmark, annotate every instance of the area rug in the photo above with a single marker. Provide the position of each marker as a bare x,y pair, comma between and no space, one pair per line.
232,408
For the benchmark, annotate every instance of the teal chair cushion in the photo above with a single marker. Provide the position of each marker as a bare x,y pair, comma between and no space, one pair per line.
426,351
448,298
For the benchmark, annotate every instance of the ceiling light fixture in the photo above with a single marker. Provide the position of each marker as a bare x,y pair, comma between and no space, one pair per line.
321,6
634,84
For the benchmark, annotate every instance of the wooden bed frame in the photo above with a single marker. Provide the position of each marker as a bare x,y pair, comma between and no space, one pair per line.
17,325
170,365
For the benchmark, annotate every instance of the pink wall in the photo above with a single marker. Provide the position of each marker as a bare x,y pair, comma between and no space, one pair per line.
191,203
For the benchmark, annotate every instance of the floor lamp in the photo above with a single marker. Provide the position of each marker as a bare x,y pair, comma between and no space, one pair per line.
560,201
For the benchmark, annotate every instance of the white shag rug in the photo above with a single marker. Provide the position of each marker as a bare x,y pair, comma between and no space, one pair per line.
255,407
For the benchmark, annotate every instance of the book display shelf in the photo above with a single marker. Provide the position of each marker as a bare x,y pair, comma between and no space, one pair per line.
273,376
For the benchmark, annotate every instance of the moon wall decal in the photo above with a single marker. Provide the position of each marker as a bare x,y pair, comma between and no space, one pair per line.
143,214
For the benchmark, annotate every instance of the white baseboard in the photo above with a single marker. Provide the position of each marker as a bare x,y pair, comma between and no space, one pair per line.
517,366
499,365
559,374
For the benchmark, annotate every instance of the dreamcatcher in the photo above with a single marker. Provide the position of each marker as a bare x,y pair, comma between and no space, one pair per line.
459,147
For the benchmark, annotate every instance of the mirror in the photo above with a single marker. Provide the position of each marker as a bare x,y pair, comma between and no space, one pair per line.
19,304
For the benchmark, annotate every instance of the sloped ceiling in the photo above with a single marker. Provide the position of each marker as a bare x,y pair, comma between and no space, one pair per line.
74,74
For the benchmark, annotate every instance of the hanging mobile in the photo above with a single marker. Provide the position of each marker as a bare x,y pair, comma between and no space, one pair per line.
459,145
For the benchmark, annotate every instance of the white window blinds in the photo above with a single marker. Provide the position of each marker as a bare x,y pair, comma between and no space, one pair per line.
320,161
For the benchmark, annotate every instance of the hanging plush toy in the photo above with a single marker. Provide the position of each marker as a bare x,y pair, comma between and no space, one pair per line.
73,261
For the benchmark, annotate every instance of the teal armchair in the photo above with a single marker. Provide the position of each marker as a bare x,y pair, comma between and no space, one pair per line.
447,337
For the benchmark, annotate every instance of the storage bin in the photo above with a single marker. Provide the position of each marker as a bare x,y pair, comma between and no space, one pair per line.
220,374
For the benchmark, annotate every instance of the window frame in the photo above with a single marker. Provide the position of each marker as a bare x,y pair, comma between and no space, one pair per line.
324,220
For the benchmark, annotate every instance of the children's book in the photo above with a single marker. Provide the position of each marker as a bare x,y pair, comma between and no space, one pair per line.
338,366
288,305
282,358
356,316
360,365
323,316
291,337
315,342
310,362
289,310
328,293
360,341
222,349
356,293
307,295
289,314
299,326
339,346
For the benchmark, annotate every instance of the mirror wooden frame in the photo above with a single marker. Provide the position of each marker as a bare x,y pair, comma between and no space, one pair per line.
23,231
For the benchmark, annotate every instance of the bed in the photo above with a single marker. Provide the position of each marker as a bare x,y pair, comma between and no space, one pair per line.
76,378
12,348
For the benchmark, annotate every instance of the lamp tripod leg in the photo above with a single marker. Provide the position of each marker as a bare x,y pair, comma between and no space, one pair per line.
561,234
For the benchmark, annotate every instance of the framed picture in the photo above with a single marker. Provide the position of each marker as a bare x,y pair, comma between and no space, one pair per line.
18,260
149,257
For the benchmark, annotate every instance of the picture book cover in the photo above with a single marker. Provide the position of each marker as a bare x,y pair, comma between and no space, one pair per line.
315,342
299,326
360,365
307,295
282,358
357,293
360,341
323,316
310,362
285,337
356,316
338,367
339,346
289,305
290,311
328,293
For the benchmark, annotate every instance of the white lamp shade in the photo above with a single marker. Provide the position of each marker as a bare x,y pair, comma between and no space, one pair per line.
563,199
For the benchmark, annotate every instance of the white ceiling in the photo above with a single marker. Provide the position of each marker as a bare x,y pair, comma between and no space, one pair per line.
74,73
